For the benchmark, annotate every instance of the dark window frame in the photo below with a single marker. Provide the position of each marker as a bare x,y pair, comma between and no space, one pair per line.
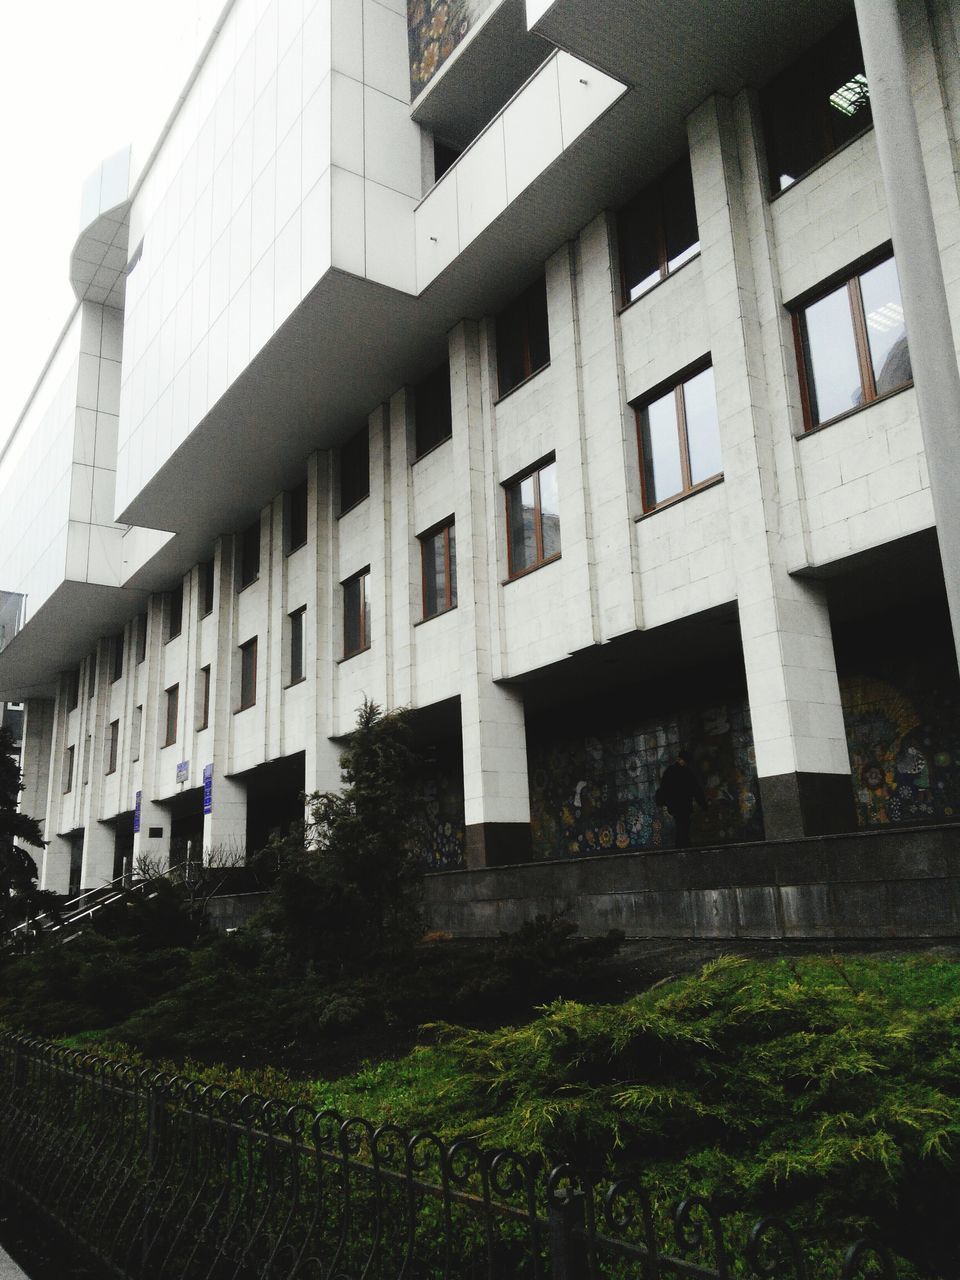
249,550
136,733
296,510
248,674
349,458
444,529
171,723
117,656
513,485
360,580
142,623
849,277
69,765
73,689
518,319
676,385
430,427
651,199
204,718
173,613
113,746
92,674
298,623
207,587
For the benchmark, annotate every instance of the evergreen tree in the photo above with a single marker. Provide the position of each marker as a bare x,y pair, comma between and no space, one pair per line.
20,899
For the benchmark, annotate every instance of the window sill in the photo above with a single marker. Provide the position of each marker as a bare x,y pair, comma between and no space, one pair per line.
439,614
522,383
681,497
355,654
433,449
175,636
852,413
110,772
525,573
292,684
171,743
671,275
206,613
353,506
777,195
241,587
294,550
247,707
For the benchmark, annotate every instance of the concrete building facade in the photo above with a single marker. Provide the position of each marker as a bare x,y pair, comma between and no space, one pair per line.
549,368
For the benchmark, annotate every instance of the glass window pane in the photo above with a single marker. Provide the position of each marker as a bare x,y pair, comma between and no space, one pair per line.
886,333
679,216
453,566
703,428
523,541
351,615
832,368
365,603
639,247
660,445
549,511
434,575
538,328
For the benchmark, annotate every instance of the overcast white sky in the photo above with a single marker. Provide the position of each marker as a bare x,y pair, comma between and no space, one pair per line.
79,79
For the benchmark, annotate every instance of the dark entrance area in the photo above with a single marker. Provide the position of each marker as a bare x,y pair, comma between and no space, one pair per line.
123,846
274,799
186,828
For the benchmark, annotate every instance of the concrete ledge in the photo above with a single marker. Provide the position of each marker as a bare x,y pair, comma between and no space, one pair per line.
874,884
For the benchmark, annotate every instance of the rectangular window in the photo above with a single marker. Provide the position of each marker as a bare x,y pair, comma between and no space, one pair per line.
136,733
87,753
438,552
173,612
171,715
248,674
356,614
203,699
355,470
207,580
295,510
141,625
73,688
818,104
432,413
117,670
68,770
533,519
91,675
297,669
113,743
679,435
523,337
852,345
248,552
657,232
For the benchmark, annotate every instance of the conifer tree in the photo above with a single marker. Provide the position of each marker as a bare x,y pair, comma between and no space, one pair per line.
20,899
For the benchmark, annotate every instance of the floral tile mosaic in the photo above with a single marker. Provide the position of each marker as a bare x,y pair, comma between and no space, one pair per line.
434,29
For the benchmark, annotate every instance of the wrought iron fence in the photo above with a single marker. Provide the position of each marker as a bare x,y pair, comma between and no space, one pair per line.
159,1176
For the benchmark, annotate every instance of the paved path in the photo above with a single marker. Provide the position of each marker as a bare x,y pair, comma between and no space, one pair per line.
9,1269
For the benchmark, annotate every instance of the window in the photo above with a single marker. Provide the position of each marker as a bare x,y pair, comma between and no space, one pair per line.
117,655
136,733
533,519
171,714
141,638
297,669
248,674
113,742
295,509
207,580
91,675
248,570
173,606
438,550
444,156
73,689
68,770
203,699
818,104
852,345
433,418
87,753
679,439
657,232
356,614
523,338
355,470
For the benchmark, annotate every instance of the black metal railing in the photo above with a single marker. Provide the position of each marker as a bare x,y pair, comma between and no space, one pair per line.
159,1176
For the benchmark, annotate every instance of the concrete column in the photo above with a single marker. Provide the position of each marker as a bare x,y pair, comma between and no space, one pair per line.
322,757
148,846
404,568
225,826
932,346
153,818
99,842
799,737
496,791
36,758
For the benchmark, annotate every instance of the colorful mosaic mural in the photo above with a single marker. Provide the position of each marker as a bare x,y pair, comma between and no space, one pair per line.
441,837
595,794
903,732
434,29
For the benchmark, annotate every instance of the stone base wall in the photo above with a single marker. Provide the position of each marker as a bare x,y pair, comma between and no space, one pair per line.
872,884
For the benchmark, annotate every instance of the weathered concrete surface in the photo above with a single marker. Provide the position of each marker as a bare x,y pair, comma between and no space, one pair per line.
875,884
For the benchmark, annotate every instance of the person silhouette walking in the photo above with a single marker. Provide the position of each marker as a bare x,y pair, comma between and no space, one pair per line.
679,788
